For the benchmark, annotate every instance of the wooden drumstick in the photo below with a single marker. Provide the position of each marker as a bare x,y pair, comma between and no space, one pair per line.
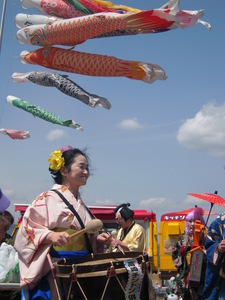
113,234
109,236
92,227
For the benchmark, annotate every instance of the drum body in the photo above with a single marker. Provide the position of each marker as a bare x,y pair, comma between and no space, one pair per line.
110,276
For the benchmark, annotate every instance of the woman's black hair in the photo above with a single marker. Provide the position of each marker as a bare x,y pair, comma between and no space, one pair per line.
69,157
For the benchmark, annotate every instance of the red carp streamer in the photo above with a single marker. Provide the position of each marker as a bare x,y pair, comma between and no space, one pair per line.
92,64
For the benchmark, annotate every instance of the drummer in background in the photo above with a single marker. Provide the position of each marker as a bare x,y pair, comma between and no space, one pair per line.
130,237
46,222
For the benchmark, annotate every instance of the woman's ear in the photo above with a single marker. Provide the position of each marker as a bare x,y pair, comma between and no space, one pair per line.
63,171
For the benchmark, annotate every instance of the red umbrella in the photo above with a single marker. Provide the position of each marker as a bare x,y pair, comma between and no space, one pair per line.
212,198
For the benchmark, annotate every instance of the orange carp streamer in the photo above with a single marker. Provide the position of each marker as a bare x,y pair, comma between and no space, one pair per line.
92,64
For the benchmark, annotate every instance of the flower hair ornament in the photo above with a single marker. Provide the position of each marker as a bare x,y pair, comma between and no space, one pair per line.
56,161
65,148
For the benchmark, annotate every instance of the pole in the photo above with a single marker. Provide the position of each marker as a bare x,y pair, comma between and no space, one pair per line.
2,22
209,213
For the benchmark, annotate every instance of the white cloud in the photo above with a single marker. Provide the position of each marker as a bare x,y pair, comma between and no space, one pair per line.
162,205
206,131
159,205
104,202
153,202
192,201
56,134
130,124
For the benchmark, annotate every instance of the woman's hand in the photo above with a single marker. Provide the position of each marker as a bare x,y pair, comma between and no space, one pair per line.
58,239
104,238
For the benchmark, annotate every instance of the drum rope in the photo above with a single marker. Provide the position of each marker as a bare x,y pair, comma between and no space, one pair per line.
111,274
107,282
103,294
53,275
71,283
120,284
118,280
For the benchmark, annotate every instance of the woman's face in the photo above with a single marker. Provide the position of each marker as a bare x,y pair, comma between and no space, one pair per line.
79,172
191,226
120,220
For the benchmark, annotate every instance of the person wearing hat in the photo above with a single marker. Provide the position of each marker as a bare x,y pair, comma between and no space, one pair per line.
131,236
4,202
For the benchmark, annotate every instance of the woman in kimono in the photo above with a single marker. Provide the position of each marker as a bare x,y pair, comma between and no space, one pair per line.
48,222
181,257
215,272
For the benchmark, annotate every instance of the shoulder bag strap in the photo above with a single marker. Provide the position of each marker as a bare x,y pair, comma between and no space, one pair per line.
70,206
89,211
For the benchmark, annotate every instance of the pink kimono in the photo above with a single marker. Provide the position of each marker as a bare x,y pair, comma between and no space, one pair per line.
47,213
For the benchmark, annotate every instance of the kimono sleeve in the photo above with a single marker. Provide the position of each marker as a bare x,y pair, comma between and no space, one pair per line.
214,237
33,229
138,241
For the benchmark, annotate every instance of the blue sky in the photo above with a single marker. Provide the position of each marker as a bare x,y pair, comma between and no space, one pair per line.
157,143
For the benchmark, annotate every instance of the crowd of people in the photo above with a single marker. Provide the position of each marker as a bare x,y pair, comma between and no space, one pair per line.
47,224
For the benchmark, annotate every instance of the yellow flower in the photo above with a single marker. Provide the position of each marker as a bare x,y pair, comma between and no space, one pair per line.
56,161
